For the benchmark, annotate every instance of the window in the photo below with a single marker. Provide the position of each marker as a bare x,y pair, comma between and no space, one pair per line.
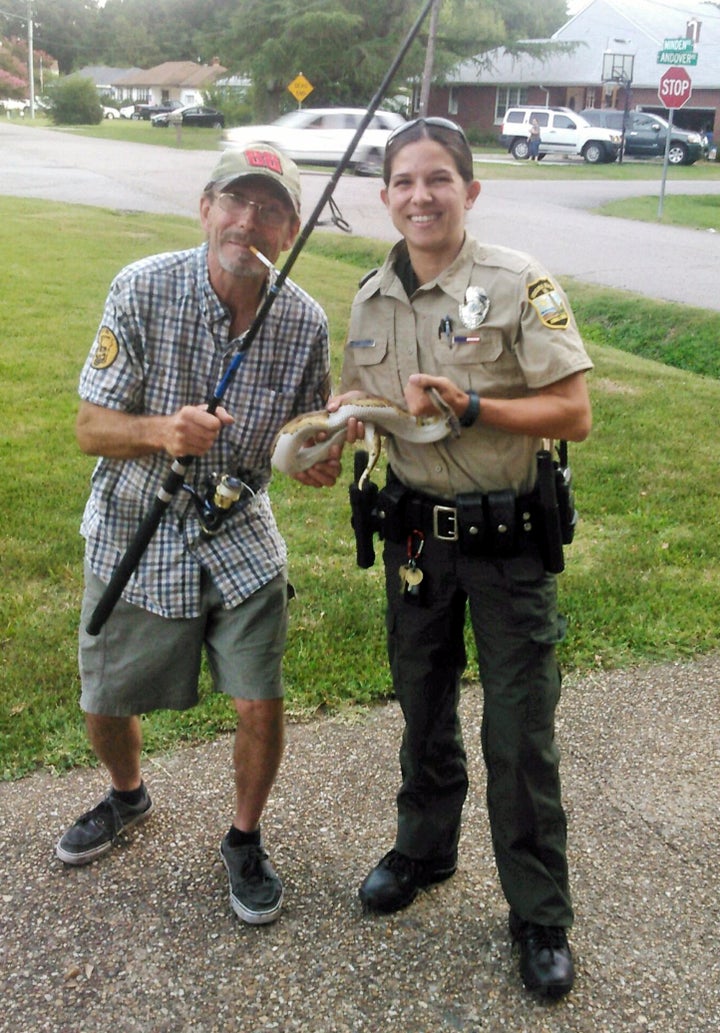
508,97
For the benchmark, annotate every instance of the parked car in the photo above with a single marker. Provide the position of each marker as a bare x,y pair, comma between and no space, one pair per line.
320,136
127,111
146,111
191,115
110,112
562,131
646,135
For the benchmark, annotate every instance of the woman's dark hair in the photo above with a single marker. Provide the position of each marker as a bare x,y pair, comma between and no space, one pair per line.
442,131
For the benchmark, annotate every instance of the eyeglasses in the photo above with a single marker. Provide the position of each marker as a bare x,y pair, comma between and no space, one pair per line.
439,123
273,215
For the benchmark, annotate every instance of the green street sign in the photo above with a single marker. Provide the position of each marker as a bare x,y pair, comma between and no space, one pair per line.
682,44
675,57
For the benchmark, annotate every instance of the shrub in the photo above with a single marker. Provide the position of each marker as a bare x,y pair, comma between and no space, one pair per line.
75,102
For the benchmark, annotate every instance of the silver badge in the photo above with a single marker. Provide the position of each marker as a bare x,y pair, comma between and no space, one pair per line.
476,307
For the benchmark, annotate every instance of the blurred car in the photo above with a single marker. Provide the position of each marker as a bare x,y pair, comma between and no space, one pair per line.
191,115
320,136
127,111
110,112
646,135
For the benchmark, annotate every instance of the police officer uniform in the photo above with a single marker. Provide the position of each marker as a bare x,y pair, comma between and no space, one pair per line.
496,324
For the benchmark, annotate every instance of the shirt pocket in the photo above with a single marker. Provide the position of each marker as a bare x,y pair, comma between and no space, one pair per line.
367,351
471,347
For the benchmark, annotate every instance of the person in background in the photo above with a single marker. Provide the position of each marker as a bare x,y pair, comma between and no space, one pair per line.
490,331
218,582
534,141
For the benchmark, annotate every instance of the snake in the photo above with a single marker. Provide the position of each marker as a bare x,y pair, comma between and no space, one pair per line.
296,447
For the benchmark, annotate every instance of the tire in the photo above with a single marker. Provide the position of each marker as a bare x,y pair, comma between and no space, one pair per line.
678,153
520,149
594,153
371,165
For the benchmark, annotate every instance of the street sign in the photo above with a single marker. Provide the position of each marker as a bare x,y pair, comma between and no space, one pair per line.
681,44
300,88
678,52
675,57
675,88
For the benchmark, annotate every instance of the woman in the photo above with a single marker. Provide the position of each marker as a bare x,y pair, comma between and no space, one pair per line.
489,331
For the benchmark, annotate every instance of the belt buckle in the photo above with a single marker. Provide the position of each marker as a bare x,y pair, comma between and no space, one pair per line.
449,515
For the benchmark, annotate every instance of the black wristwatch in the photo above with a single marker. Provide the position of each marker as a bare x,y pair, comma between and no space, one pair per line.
473,410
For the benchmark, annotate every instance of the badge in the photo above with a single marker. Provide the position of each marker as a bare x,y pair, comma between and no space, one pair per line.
548,303
476,306
106,349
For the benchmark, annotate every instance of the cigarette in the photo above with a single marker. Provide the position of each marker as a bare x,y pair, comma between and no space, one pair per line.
261,257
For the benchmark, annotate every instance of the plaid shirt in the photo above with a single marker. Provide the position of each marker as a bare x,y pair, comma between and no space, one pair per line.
164,342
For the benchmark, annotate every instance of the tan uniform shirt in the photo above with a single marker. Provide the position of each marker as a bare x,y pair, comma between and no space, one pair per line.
527,340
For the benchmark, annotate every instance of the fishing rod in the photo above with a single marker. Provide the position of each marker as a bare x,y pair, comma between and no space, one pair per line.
176,475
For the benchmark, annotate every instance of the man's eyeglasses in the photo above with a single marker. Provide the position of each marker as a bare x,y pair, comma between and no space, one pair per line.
273,215
440,123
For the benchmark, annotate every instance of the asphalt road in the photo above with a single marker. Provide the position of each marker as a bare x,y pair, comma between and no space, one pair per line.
552,220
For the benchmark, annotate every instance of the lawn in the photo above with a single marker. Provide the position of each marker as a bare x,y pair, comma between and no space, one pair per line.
641,578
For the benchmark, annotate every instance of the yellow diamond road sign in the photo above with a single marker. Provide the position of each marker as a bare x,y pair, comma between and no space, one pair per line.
300,87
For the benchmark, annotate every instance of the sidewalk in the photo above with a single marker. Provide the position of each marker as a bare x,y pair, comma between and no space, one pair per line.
144,940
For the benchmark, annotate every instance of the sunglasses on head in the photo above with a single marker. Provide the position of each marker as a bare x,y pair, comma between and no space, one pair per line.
439,123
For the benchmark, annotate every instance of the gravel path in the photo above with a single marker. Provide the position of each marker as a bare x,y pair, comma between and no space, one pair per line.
144,940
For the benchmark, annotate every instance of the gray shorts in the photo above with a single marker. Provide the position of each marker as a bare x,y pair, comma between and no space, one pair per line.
141,662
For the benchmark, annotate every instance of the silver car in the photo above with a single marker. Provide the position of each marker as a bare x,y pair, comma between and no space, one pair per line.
320,136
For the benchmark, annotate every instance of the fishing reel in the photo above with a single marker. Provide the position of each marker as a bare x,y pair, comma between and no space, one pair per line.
222,493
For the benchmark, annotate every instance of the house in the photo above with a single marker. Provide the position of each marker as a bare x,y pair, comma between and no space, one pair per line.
610,46
181,81
104,77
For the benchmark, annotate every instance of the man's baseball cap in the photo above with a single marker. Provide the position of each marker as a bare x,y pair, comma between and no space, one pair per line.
258,159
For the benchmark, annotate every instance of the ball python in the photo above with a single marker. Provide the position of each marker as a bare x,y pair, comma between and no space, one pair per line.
296,447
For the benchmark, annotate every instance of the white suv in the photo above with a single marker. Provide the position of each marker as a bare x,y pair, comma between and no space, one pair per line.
562,131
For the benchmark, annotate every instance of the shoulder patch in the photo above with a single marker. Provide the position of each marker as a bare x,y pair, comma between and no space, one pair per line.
548,303
106,349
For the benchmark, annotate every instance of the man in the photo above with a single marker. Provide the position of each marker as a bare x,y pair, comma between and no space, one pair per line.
171,325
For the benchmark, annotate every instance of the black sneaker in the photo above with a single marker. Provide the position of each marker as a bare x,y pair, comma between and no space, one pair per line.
256,892
546,963
97,831
395,880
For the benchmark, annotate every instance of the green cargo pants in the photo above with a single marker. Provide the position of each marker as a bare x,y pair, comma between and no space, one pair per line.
516,626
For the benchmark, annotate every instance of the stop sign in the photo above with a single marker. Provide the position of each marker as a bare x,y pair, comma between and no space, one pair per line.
675,87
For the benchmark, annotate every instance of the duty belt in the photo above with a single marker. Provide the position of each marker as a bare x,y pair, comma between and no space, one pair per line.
498,523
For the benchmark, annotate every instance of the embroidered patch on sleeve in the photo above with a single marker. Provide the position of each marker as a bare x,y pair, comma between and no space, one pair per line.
548,303
106,349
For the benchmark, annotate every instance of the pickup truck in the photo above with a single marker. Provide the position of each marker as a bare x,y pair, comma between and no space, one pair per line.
146,111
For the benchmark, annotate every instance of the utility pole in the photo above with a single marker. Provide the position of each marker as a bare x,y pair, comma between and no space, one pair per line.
429,59
31,69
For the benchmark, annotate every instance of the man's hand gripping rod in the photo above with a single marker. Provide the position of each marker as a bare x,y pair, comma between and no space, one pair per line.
176,476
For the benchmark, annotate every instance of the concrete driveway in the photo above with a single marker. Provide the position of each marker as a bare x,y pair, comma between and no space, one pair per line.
552,220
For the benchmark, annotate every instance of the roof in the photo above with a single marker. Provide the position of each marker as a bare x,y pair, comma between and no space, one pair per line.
173,73
103,75
622,26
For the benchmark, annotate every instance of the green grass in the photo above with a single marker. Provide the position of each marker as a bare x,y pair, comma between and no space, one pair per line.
699,211
642,575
